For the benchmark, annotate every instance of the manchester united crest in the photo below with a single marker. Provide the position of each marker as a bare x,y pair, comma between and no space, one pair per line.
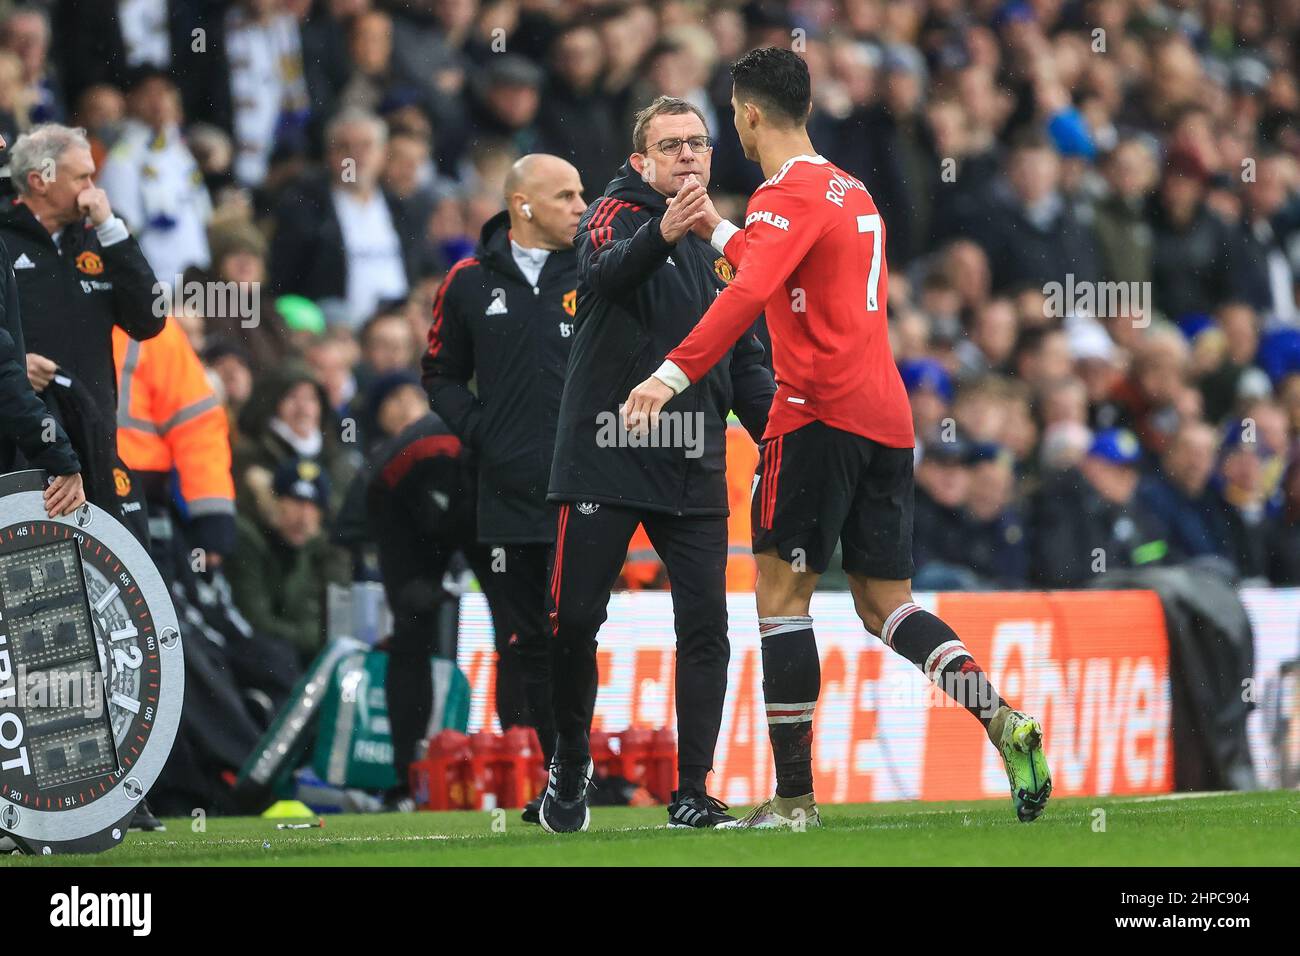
723,270
570,302
90,263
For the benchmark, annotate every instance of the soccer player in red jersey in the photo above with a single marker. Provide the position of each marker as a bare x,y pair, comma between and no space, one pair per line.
836,461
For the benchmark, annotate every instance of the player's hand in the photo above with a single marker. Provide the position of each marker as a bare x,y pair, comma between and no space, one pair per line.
93,202
707,221
684,210
64,495
641,410
40,371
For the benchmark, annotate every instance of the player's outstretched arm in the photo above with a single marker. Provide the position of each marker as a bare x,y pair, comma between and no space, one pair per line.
641,410
727,238
783,225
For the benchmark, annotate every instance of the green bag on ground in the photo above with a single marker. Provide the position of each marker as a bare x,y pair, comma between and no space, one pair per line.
354,747
267,771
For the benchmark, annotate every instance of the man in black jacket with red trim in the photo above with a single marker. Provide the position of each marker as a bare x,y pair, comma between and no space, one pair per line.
504,317
644,280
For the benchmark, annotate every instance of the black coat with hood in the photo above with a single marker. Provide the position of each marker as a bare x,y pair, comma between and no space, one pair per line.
491,324
23,416
638,297
72,295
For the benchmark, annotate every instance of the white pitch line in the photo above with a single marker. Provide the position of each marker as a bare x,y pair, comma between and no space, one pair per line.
1194,795
302,841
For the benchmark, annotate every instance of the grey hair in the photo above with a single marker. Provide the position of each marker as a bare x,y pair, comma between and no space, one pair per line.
39,150
662,106
353,116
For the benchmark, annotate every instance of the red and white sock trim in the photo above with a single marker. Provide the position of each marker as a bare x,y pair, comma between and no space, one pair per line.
941,657
790,713
900,614
772,626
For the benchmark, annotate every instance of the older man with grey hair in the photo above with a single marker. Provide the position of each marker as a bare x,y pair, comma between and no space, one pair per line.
340,237
24,421
78,273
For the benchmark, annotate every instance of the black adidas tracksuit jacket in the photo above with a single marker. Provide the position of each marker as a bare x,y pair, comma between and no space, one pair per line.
638,297
492,325
72,294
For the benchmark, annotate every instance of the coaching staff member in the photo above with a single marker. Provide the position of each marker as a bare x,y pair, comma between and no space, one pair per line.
505,317
643,281
23,417
79,273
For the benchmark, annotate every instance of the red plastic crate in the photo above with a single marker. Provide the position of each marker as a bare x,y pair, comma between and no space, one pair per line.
484,771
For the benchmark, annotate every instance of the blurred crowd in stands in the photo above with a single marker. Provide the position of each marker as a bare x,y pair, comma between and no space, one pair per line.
1093,215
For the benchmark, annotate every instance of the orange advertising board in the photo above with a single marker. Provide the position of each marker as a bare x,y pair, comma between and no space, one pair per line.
1094,666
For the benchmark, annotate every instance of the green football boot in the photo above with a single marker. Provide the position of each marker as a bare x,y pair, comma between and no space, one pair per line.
1019,738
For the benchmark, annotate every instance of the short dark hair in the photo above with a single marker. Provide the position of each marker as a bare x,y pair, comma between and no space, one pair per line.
662,106
1028,139
777,80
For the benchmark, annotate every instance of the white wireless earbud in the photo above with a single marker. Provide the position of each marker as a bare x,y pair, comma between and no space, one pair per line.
528,211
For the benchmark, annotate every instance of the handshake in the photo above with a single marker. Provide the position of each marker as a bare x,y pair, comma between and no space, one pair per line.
691,210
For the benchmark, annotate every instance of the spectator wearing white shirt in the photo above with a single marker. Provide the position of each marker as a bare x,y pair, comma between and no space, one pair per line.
268,89
154,182
341,238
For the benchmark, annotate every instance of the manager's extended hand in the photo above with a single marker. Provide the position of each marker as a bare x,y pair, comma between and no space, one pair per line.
64,495
689,206
40,371
641,410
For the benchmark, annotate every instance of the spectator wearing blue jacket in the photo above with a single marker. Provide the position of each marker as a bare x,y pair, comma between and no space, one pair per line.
997,545
1179,494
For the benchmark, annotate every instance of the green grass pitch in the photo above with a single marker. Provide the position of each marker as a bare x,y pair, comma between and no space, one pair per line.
1241,829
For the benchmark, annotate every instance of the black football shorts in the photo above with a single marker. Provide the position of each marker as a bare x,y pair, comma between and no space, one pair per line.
818,485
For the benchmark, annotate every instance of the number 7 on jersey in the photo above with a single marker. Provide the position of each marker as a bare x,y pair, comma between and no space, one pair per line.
871,224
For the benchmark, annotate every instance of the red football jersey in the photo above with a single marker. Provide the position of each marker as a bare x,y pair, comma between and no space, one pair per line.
812,256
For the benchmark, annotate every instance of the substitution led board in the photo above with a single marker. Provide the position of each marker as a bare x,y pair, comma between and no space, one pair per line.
91,673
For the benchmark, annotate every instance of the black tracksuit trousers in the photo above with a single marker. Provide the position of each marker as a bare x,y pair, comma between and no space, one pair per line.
590,551
515,581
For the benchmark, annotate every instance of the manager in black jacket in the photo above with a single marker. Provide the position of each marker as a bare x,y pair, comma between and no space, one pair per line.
505,318
25,424
644,280
78,273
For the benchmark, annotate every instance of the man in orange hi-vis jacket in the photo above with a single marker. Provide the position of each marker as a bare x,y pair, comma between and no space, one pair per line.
169,417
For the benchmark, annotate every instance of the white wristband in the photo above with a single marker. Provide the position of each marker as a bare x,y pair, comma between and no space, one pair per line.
673,377
111,231
722,234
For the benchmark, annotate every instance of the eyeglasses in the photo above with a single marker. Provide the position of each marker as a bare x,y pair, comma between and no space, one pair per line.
671,147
